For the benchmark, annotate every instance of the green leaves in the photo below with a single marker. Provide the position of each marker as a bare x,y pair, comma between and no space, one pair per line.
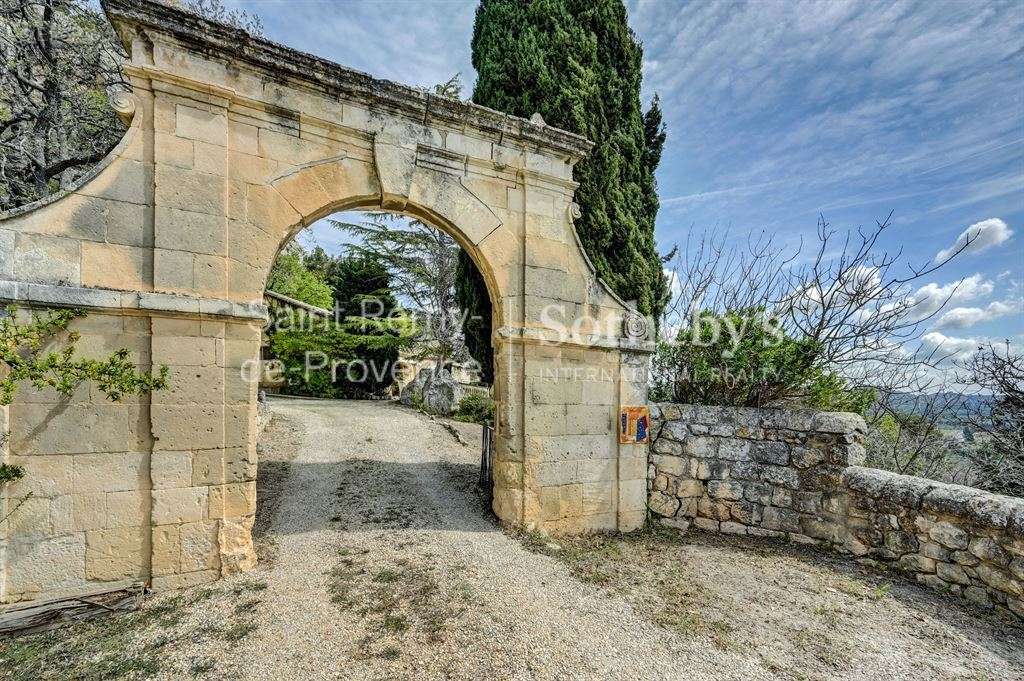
10,473
743,358
291,277
356,355
24,353
476,407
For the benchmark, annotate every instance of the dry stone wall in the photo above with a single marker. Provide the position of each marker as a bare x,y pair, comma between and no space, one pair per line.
796,475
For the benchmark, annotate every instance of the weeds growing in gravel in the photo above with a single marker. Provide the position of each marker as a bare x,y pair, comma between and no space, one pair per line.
622,563
200,667
238,630
403,598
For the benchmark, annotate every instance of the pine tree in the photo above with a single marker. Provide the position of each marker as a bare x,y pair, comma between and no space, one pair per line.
578,64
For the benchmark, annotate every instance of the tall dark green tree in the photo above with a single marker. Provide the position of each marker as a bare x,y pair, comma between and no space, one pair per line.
476,326
578,64
363,342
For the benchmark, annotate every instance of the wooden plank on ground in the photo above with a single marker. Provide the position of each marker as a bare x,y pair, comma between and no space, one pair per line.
31,617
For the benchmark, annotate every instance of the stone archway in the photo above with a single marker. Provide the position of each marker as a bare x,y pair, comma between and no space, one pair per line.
234,145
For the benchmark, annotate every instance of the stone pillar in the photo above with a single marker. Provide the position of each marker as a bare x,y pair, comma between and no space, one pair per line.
203,465
632,464
508,431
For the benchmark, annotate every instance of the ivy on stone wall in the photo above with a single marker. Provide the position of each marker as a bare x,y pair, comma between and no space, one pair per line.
28,353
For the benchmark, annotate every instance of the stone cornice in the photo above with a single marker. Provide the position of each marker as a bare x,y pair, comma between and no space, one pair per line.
551,337
49,295
335,80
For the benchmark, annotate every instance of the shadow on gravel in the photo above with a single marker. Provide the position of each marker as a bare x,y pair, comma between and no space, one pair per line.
382,495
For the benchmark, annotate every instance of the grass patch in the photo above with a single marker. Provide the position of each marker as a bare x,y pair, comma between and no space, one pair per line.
403,598
387,576
395,623
238,630
247,606
633,566
391,653
249,586
100,648
200,667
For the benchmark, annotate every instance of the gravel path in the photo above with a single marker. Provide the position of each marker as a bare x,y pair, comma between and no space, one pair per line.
380,560
379,508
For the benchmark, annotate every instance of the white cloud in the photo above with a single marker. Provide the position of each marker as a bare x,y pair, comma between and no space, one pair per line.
964,317
959,348
978,237
931,297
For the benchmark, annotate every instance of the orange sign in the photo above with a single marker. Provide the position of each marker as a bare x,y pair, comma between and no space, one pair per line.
634,425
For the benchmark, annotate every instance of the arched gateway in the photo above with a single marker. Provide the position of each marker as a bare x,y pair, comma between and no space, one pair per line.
234,145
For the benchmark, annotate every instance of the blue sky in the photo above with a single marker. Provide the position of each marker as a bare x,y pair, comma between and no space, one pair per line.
780,111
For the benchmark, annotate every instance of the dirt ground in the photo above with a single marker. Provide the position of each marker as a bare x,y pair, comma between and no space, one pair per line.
380,560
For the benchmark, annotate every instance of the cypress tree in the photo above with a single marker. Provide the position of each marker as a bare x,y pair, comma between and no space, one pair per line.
471,296
578,64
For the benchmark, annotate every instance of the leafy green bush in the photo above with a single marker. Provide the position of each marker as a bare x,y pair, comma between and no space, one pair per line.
744,359
291,277
353,359
476,407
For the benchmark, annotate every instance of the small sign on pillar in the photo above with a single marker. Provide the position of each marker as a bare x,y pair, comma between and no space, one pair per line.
634,426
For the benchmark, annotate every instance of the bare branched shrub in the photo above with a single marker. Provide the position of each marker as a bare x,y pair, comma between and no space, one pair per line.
857,306
61,61
850,317
997,425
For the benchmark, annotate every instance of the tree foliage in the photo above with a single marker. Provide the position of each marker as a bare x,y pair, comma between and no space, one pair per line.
850,308
578,64
354,353
743,358
61,60
476,325
475,407
421,261
290,276
998,455
215,10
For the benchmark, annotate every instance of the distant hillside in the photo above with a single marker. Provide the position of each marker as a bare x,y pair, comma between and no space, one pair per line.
960,405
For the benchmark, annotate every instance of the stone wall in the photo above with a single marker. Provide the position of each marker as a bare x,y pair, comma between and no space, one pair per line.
159,488
796,475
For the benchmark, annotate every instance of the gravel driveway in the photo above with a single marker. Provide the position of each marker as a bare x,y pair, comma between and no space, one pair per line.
380,560
387,565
